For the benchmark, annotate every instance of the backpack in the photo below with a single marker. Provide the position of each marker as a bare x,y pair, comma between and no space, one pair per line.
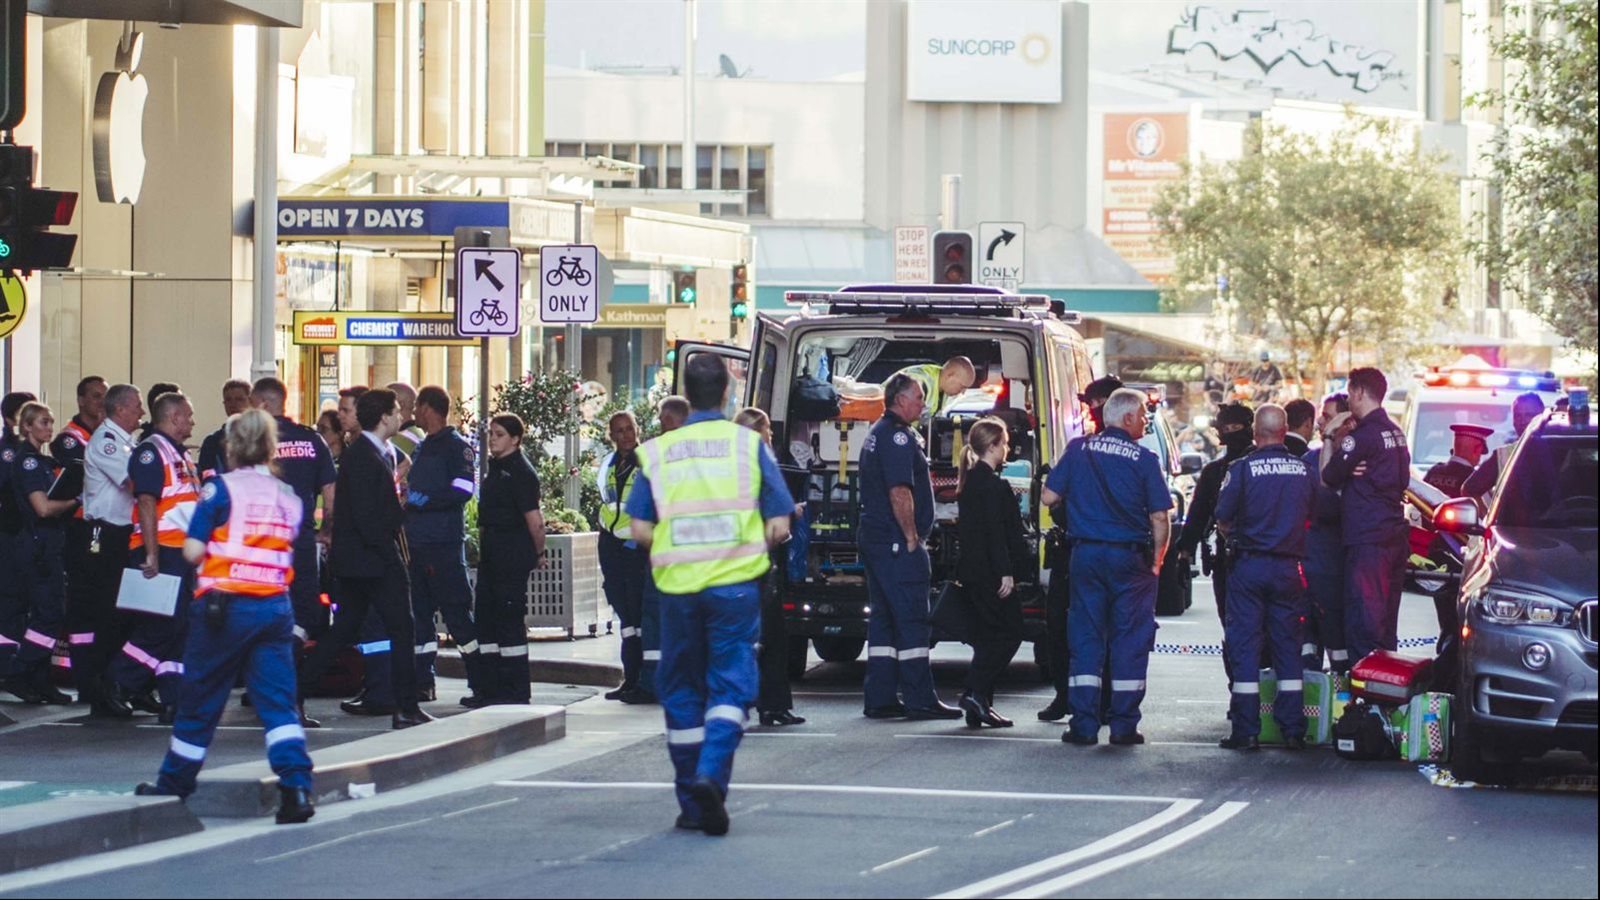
1363,733
814,400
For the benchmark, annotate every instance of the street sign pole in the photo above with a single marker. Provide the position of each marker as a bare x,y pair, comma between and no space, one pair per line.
488,280
574,342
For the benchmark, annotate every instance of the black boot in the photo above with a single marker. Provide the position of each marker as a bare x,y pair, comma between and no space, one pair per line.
294,805
1056,711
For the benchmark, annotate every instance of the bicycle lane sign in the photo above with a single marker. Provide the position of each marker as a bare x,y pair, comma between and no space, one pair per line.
569,283
488,280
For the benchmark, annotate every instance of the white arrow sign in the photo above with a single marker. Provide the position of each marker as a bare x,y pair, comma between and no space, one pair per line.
569,283
1000,254
487,282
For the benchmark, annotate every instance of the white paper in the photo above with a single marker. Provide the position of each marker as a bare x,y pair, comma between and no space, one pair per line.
158,595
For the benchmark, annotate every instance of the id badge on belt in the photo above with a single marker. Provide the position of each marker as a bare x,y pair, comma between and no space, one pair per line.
94,540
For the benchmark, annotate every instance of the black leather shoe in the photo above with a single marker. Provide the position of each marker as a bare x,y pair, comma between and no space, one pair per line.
936,711
427,695
972,709
53,696
145,702
782,717
1131,739
639,697
1056,711
244,700
109,708
365,707
892,711
306,721
168,715
146,789
713,815
1079,740
995,720
294,805
686,823
474,701
1295,743
409,717
1237,742
617,692
22,690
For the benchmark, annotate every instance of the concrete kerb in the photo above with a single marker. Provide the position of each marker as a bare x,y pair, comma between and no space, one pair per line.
38,834
550,671
386,761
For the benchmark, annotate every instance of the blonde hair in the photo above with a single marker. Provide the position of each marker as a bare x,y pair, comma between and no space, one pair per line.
984,435
756,419
30,413
250,438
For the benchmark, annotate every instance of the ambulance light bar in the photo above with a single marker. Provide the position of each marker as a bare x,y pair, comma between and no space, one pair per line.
901,298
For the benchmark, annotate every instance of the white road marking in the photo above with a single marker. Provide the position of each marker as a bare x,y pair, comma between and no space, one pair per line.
976,737
993,828
851,789
1122,860
483,806
8,785
752,808
1222,701
341,839
1176,810
909,857
800,734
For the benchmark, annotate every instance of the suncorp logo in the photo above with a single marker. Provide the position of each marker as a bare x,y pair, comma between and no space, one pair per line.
1034,48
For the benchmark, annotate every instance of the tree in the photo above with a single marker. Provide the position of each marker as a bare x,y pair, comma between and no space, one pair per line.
1544,163
1350,236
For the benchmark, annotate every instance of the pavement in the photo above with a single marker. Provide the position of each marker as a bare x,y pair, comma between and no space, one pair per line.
844,806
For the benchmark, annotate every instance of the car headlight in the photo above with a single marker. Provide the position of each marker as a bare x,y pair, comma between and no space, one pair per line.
1509,607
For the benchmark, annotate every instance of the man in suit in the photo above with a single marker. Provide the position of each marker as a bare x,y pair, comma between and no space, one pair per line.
369,555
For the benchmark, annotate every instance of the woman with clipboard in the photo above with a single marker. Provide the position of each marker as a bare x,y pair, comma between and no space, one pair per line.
39,557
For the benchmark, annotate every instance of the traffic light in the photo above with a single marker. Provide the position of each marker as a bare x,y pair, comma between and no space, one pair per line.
25,213
952,257
739,292
683,286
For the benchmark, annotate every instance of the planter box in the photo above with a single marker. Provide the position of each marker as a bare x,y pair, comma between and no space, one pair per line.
566,592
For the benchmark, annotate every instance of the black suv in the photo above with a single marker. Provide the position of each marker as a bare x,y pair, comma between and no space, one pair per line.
1527,678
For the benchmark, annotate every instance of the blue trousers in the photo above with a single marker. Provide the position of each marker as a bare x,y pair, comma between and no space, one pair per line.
13,603
256,638
1264,596
626,571
897,628
501,611
34,620
152,655
707,680
1324,567
439,584
1374,577
649,632
1113,612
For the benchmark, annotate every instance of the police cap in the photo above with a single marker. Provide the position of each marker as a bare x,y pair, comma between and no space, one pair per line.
1101,389
1235,414
1481,432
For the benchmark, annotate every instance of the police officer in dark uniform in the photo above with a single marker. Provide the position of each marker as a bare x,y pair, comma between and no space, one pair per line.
13,599
1371,469
1471,443
438,488
1324,564
236,398
1262,511
511,546
1118,520
896,518
1234,421
1524,410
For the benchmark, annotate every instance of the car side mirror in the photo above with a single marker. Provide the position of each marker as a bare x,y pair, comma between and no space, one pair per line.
1458,516
1191,463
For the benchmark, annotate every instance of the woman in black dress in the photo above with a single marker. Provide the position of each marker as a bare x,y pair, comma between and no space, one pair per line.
993,550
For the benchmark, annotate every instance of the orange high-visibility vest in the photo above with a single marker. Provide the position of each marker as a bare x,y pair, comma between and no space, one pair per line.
180,490
253,552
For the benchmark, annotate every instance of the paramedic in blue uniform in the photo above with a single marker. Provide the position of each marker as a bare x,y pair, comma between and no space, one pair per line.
38,555
1325,544
13,595
1371,469
511,538
1119,521
1262,512
709,502
896,517
437,490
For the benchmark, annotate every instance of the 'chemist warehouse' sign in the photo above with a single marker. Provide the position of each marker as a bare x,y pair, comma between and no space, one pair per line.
410,217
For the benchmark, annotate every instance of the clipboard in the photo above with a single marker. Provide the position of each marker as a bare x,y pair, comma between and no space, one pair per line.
156,596
69,484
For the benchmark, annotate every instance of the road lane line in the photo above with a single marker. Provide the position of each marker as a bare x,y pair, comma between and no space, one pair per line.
1121,861
976,737
851,789
339,840
798,734
893,863
1175,811
483,806
993,828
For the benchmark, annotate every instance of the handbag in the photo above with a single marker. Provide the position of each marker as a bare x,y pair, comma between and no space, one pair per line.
951,617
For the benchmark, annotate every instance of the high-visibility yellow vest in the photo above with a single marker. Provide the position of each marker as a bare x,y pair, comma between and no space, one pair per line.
928,376
704,479
614,499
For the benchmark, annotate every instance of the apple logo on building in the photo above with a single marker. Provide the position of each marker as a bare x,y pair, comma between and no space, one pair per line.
119,125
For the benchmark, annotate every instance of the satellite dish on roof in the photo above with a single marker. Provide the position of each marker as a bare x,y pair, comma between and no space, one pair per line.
729,70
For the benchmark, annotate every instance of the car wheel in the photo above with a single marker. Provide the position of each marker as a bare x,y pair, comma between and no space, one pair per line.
1472,759
799,657
838,649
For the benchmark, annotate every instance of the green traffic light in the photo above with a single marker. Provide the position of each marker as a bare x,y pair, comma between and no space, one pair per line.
741,310
5,249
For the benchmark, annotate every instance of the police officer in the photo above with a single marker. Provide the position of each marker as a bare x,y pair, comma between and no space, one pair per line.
242,536
1371,469
13,599
1470,444
1118,519
1093,397
623,564
1324,564
235,399
167,488
37,556
438,488
1234,421
715,491
411,432
896,517
94,631
1262,511
1524,410
511,546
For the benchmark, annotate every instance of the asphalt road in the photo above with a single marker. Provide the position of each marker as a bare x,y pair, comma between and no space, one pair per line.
844,806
